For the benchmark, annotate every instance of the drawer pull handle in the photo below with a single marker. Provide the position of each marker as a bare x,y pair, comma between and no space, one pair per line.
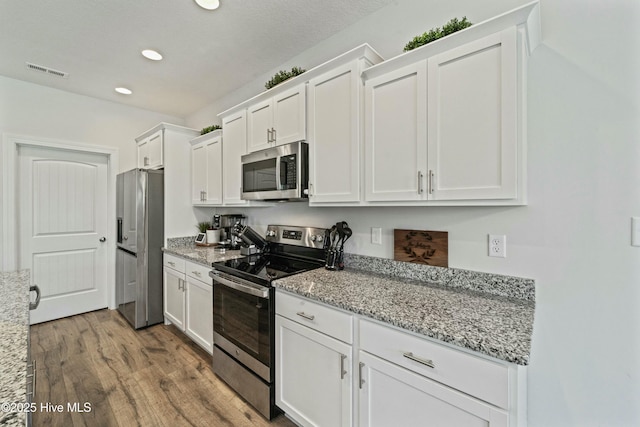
171,263
197,273
343,372
305,315
426,362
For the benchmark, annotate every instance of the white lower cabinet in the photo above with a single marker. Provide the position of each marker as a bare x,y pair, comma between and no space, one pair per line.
334,368
394,396
188,299
314,381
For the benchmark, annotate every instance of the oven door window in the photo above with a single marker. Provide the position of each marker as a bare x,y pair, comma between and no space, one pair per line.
242,319
259,176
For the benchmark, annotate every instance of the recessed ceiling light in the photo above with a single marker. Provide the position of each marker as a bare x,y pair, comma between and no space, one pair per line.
124,90
208,4
151,54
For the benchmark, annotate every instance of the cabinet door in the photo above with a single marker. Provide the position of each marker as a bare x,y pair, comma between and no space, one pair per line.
473,120
174,297
334,136
198,173
155,152
289,119
390,395
143,153
313,376
234,135
213,184
396,135
199,313
259,124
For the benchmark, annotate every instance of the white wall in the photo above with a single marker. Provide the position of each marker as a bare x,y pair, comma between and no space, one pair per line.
574,236
36,111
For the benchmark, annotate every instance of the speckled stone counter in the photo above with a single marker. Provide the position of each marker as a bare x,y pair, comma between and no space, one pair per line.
205,255
14,324
462,313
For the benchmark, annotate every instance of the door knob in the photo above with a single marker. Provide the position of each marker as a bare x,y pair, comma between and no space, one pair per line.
103,239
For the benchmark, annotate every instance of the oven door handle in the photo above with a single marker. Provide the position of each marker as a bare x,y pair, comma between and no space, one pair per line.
261,292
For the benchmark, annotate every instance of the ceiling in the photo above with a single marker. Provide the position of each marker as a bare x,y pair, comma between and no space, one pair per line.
207,54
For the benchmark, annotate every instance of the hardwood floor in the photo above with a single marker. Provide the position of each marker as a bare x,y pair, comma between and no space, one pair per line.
151,377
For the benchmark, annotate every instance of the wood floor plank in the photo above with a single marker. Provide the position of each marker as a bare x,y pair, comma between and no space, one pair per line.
151,377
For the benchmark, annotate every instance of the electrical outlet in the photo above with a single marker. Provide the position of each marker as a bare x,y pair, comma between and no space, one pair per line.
498,245
376,235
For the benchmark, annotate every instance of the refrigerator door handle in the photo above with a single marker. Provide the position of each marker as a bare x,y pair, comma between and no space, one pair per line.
119,230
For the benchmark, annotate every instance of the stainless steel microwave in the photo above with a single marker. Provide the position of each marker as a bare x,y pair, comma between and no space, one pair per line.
277,173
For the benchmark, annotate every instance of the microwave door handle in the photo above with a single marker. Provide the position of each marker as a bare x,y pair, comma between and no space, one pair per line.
278,180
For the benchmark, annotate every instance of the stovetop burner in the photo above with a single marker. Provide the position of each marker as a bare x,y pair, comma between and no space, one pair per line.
265,267
291,250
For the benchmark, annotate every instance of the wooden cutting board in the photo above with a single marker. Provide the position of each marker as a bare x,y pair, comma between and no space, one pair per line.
421,246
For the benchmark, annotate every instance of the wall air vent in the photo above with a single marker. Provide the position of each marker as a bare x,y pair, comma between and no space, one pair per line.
47,70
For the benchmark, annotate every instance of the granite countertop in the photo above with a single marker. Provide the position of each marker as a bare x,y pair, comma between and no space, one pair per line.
204,255
495,325
14,324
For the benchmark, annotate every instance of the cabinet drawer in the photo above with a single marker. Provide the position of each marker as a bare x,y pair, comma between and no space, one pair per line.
198,271
174,262
478,377
320,317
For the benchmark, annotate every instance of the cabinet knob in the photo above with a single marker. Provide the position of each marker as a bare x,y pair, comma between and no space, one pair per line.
103,239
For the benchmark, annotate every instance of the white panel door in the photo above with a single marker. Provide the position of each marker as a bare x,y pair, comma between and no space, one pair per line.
393,396
334,136
396,135
198,173
234,135
259,124
62,217
289,120
213,188
473,120
199,312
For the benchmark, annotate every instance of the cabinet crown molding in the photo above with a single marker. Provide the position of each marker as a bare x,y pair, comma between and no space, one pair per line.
364,51
169,126
526,17
207,136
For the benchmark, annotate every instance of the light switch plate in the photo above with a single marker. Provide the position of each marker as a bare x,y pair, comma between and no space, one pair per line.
376,235
635,231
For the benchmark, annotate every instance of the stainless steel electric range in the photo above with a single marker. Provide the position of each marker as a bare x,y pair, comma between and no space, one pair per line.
244,310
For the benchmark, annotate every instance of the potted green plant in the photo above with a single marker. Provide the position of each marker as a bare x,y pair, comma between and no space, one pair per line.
203,226
435,33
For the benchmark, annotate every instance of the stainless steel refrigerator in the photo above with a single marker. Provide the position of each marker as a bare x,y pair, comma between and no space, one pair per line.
140,216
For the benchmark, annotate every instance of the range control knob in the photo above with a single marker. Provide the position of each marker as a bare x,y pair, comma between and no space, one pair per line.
313,237
271,233
319,238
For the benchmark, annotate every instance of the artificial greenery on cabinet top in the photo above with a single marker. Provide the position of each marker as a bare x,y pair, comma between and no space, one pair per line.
281,76
435,33
210,129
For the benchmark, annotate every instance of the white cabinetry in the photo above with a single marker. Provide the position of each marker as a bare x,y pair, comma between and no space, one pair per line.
314,377
206,169
170,143
445,124
188,299
234,135
389,376
150,151
277,120
334,110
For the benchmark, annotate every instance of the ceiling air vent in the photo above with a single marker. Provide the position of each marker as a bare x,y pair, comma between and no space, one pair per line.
47,70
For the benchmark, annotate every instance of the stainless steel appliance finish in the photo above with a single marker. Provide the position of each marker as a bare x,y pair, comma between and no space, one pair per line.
140,236
244,312
277,173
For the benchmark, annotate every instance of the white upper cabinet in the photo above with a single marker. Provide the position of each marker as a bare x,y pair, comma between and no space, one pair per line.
396,134
334,111
206,169
277,120
234,135
473,120
150,151
445,123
